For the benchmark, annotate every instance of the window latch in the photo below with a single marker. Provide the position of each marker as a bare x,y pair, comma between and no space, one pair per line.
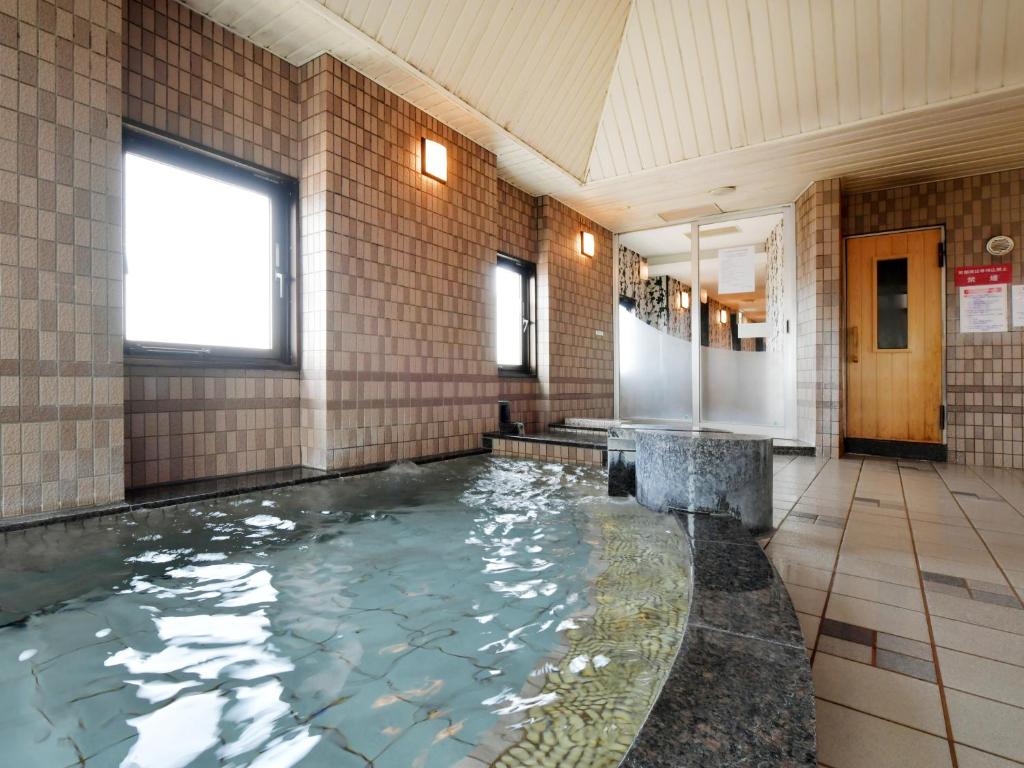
279,276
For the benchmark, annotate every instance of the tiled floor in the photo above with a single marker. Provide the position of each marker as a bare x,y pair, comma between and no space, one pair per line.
907,578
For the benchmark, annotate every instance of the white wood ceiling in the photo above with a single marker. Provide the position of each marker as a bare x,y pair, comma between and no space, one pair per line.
699,77
628,108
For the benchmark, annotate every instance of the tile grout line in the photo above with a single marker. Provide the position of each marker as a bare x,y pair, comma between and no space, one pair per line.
835,563
928,620
977,532
789,511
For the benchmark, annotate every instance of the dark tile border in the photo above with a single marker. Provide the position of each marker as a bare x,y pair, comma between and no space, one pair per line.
583,442
740,691
166,495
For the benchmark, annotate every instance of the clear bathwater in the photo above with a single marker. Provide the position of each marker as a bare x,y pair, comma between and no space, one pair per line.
391,619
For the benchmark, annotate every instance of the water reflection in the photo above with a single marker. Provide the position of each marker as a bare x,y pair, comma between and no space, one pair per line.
387,621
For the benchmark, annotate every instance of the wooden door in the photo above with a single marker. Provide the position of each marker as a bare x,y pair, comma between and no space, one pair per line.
894,337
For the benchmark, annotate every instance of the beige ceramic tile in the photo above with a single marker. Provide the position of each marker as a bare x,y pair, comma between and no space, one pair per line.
845,649
858,566
807,600
851,739
976,612
990,726
967,757
884,618
801,575
809,627
977,640
984,677
879,692
878,591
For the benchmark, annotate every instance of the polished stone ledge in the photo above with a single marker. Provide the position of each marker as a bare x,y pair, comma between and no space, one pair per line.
152,496
712,472
740,691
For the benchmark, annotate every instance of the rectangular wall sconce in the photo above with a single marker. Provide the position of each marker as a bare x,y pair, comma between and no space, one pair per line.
434,160
723,316
587,245
682,300
703,296
645,271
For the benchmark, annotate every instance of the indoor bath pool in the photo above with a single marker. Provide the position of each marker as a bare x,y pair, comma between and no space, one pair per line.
473,612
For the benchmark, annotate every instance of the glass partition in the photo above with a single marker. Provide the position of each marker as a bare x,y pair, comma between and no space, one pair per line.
654,326
717,297
742,294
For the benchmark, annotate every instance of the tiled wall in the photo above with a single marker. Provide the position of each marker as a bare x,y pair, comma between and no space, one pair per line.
819,322
60,274
984,371
576,353
517,236
565,454
188,77
403,269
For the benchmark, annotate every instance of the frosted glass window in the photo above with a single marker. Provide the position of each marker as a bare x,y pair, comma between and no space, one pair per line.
891,280
198,258
514,286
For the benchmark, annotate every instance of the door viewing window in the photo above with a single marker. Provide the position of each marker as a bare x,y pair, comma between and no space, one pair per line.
516,299
207,255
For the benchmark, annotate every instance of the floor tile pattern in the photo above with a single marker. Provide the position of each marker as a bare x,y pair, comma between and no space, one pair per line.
907,579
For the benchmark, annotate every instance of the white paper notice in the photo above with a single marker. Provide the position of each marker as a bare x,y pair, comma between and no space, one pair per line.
983,309
1018,306
736,270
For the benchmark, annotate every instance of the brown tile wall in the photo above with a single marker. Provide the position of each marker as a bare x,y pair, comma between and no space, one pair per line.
190,78
819,318
523,449
396,300
575,298
517,217
984,371
403,269
60,275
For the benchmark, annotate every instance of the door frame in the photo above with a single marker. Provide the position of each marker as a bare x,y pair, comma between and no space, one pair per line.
890,447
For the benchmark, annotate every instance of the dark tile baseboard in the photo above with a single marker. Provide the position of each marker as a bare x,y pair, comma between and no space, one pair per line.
897,449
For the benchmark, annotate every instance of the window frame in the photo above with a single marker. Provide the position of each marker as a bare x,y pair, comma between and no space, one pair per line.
283,193
527,271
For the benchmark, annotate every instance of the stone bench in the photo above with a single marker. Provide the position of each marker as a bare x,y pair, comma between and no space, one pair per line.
704,472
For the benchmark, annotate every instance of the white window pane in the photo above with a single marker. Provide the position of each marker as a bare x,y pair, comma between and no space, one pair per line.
510,317
198,259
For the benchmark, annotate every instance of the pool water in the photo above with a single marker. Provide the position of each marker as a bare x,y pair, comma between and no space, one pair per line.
420,616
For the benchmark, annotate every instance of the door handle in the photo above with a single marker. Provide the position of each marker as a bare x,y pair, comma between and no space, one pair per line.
853,344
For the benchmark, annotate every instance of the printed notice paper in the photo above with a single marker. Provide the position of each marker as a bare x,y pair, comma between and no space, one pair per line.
983,309
1018,306
736,270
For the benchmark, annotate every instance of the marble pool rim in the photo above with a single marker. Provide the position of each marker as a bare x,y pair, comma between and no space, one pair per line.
169,494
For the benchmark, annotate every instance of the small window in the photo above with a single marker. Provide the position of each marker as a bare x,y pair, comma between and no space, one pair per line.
891,279
207,246
517,330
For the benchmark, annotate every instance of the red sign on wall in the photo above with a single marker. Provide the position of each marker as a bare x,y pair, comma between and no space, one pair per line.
993,274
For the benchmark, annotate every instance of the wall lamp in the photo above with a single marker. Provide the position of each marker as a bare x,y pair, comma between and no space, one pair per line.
723,316
682,300
587,245
434,160
703,296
